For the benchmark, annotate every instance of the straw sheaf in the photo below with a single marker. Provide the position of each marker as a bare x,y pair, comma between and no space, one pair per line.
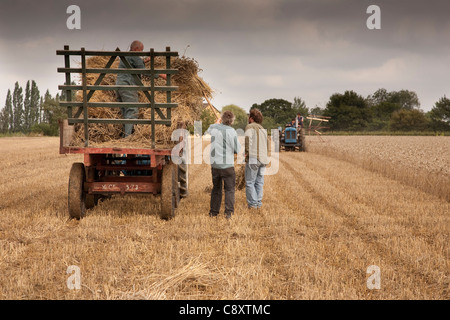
189,97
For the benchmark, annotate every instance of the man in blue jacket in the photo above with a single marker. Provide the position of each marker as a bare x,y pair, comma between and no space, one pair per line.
224,145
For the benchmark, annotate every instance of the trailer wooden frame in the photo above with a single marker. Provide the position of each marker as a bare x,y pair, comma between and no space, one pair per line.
117,170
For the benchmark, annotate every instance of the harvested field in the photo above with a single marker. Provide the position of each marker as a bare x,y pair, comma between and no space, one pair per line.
324,221
423,162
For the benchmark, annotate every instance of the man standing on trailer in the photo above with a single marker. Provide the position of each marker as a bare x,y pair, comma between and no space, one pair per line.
224,145
124,95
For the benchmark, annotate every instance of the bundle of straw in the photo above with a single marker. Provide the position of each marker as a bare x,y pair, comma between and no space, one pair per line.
191,91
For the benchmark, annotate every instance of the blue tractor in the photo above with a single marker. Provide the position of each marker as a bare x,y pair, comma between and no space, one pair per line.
292,138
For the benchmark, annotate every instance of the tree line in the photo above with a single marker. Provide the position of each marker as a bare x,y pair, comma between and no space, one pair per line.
381,111
386,111
27,111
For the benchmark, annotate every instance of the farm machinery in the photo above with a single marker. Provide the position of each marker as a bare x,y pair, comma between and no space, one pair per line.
292,138
121,170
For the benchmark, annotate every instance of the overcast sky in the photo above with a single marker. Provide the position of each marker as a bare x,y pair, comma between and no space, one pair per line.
249,51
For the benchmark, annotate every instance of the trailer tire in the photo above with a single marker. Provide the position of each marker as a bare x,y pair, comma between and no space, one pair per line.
76,194
91,200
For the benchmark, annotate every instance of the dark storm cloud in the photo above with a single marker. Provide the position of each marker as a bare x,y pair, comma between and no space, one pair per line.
252,49
290,26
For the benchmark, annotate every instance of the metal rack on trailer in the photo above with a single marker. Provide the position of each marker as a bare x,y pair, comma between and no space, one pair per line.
117,170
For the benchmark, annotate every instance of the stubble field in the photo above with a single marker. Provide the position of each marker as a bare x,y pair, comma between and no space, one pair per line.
327,216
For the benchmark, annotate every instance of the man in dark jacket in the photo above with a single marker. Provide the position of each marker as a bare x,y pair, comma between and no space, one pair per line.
127,79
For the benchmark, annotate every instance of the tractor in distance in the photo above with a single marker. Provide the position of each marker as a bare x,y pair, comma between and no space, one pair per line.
292,137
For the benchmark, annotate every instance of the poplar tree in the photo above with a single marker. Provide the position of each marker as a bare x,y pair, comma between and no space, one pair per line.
17,107
34,103
27,108
6,114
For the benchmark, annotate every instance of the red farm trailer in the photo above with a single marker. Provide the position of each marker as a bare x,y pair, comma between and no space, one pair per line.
118,170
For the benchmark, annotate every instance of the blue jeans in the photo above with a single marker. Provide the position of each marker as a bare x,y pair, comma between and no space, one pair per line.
254,182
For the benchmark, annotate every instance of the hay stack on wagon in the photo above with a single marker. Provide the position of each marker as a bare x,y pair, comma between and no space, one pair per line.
189,96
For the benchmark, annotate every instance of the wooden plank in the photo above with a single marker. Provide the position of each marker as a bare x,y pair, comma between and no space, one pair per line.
116,87
169,83
119,105
318,119
119,70
85,106
119,54
68,81
152,97
118,121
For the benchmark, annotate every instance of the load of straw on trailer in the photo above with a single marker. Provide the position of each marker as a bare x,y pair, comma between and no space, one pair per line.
189,96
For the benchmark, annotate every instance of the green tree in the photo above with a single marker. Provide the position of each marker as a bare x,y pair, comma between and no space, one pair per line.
406,99
241,118
27,108
384,110
34,103
52,112
269,123
17,108
300,107
6,114
348,111
379,96
408,120
47,105
317,111
41,109
440,115
279,110
208,118
383,104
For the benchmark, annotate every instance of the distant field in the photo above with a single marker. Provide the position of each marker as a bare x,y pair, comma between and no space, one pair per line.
328,214
421,161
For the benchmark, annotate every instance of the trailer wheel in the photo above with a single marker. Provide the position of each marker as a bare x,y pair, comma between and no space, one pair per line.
76,194
169,191
183,178
91,200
